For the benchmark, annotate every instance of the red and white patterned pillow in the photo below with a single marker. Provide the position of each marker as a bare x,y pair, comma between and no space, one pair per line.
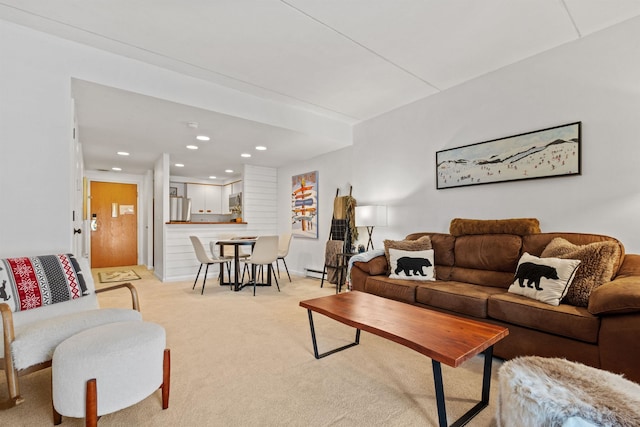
31,282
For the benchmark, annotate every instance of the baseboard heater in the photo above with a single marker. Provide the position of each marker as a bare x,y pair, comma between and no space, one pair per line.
313,271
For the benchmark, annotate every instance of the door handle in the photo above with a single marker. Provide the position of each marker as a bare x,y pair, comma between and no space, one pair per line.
77,231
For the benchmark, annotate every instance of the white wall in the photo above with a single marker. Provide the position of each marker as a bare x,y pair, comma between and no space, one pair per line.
392,162
334,172
259,200
161,214
36,179
594,80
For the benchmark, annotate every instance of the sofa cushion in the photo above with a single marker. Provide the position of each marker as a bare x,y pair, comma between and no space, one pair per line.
462,298
497,279
544,279
494,252
488,260
565,320
518,226
443,247
34,343
598,260
397,289
411,265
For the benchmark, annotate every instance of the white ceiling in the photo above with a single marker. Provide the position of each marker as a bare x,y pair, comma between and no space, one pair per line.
345,59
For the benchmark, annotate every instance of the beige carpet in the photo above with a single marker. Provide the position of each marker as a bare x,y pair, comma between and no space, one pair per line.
240,360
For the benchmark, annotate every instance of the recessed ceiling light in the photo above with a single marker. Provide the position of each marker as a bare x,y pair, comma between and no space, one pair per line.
192,147
229,171
202,138
179,165
122,153
261,148
245,155
116,169
212,177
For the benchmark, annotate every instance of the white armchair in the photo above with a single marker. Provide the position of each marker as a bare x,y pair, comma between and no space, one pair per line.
30,336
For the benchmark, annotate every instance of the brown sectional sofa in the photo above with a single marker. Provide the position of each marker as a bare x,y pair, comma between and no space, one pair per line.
473,273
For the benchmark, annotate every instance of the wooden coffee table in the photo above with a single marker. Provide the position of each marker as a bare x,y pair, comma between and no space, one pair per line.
442,337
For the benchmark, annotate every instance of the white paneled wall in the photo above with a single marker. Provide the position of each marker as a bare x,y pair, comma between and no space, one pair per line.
260,199
181,262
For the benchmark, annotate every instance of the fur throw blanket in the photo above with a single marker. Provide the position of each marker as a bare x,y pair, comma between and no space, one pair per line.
538,391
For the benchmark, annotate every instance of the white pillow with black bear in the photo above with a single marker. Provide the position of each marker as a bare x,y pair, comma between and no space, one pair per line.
411,265
544,279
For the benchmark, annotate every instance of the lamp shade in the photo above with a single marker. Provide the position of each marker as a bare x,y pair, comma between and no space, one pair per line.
371,216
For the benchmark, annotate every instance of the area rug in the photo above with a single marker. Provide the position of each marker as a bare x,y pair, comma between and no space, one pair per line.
118,276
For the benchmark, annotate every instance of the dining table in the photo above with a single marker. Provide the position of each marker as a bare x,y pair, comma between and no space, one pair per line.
236,242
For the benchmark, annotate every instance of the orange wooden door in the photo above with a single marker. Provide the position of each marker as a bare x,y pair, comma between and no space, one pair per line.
114,229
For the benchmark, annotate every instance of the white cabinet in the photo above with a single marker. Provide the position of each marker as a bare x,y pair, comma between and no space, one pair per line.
236,187
213,199
196,193
205,199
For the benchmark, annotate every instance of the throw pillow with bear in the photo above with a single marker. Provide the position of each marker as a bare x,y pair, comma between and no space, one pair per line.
544,279
411,265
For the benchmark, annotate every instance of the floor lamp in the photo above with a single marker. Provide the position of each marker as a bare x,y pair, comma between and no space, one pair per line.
371,216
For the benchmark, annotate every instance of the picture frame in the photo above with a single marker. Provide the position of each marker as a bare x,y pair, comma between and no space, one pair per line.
173,191
304,205
544,153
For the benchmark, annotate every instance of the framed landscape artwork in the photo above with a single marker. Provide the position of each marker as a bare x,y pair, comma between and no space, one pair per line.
304,205
543,153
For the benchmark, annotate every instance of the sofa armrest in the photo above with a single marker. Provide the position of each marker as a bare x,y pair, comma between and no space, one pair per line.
134,293
630,266
361,270
619,296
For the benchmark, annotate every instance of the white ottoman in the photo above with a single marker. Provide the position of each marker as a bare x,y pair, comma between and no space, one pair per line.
539,391
108,368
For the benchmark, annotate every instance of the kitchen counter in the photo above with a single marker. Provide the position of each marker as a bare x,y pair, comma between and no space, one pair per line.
180,262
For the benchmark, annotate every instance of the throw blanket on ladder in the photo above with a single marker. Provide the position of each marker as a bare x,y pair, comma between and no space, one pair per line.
331,261
31,282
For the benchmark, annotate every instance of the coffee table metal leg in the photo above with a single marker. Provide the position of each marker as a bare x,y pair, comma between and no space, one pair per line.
315,344
484,402
437,379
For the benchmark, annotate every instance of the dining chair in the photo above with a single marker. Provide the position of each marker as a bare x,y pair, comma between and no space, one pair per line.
202,256
284,241
265,252
220,250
